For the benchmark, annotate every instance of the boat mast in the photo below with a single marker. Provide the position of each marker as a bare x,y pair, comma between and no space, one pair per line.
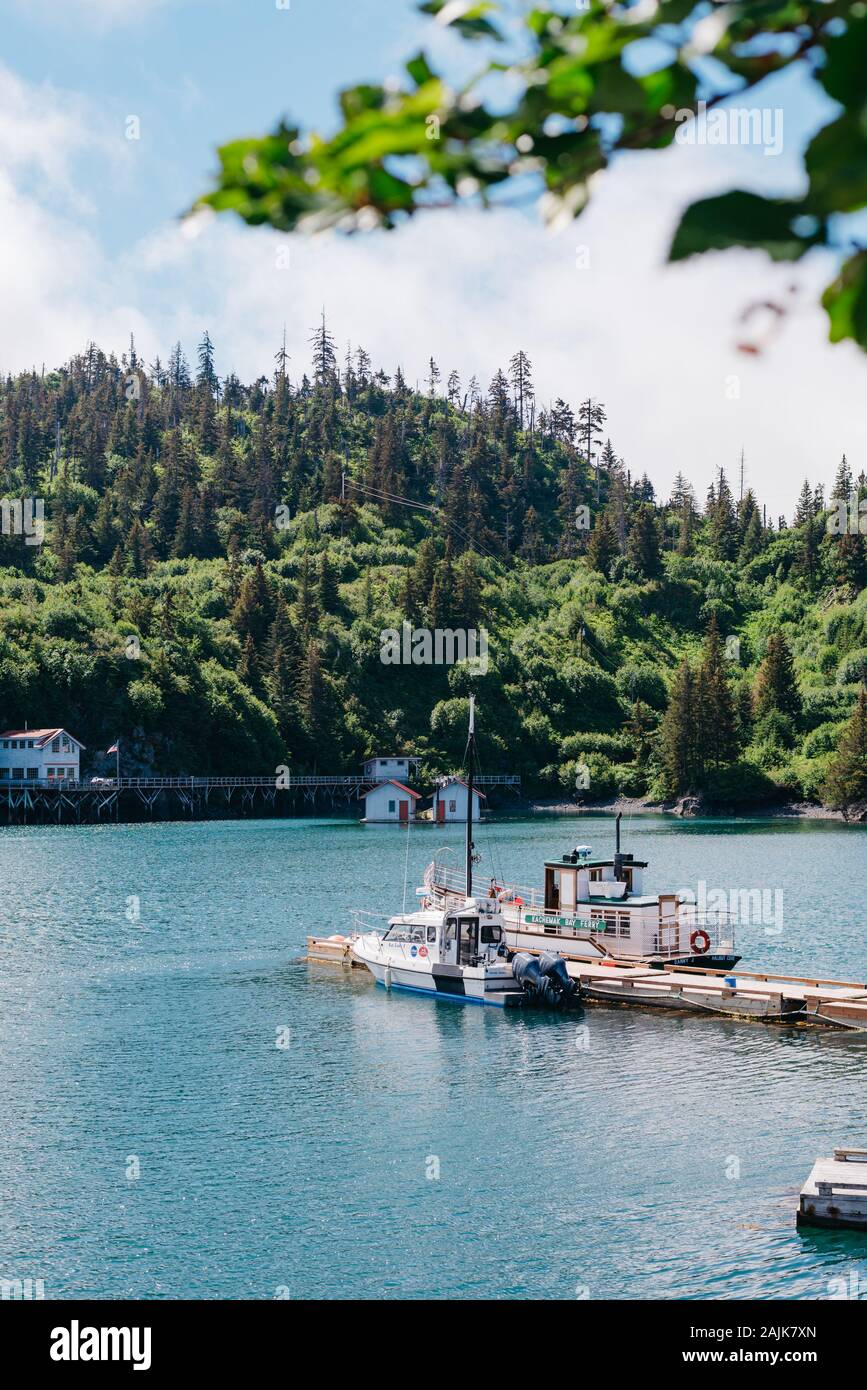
471,748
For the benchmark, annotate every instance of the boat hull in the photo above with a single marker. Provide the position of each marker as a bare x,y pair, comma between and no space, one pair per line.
449,982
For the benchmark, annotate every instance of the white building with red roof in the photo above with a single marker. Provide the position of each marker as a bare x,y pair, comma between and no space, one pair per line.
450,801
30,755
390,801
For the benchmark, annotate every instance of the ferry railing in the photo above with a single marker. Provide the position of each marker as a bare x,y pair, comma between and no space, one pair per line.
453,883
669,939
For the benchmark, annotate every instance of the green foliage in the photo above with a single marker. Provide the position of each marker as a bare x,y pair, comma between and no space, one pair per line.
574,101
258,640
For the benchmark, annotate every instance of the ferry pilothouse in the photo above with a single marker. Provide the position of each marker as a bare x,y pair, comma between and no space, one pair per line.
592,909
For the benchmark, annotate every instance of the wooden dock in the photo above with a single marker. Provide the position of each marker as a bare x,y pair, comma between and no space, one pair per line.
43,801
746,994
835,1193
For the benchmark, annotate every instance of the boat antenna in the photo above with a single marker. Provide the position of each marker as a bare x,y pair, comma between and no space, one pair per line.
471,749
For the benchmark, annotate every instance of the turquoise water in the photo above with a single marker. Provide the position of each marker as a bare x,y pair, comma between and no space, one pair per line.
395,1146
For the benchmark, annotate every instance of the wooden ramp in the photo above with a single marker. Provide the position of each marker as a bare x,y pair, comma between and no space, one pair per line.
835,1193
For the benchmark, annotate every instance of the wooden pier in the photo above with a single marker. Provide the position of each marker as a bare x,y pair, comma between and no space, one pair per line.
747,995
54,802
835,1193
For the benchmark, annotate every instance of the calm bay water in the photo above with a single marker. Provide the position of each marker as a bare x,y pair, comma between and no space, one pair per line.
304,1168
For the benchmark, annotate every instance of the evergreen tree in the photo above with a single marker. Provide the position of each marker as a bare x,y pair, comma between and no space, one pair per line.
846,782
253,613
776,684
603,546
717,726
723,528
327,588
643,546
324,354
521,377
678,754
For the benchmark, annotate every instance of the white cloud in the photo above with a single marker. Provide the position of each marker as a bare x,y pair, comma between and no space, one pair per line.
656,343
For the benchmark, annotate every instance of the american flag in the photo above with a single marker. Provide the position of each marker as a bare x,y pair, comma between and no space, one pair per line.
112,749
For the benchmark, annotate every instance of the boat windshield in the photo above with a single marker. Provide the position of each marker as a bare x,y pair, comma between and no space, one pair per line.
405,931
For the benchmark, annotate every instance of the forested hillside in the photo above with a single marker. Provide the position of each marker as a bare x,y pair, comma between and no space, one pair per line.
220,561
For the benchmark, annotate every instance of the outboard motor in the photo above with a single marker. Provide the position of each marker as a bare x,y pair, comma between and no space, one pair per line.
545,979
553,969
525,969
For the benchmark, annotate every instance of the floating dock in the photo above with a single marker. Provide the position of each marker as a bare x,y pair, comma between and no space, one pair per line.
744,994
835,1193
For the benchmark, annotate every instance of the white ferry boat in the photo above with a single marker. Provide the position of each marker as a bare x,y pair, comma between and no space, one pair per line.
592,909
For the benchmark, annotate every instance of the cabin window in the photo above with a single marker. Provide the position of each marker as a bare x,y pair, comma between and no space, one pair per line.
392,807
623,922
491,936
453,806
431,933
552,889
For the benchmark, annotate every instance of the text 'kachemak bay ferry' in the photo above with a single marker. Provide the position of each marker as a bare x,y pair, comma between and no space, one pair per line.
592,909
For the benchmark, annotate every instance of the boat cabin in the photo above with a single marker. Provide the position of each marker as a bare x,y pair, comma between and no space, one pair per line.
467,935
576,878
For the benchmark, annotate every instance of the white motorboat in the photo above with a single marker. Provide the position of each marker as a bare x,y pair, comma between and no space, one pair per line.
457,950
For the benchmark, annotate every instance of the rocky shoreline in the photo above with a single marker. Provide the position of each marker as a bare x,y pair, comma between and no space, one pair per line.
691,806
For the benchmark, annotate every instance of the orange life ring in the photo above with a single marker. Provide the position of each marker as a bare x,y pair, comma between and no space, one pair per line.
702,936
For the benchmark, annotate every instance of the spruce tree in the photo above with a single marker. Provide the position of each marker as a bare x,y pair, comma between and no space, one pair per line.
603,546
846,782
717,727
643,546
253,613
677,735
776,685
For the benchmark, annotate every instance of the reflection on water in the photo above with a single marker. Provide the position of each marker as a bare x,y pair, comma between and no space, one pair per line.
663,1161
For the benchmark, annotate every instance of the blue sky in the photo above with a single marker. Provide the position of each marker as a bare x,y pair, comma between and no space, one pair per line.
90,244
198,73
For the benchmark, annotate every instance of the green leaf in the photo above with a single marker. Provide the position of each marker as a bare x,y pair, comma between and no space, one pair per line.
845,301
836,161
844,75
742,219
